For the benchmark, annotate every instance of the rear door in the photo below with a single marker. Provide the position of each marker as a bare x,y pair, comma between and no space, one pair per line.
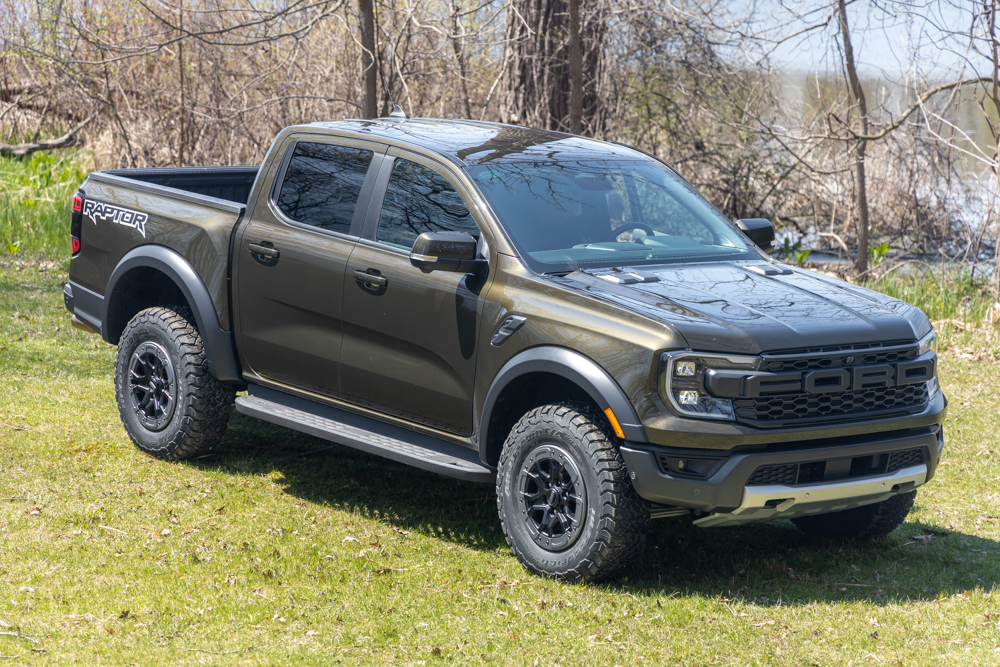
410,337
291,259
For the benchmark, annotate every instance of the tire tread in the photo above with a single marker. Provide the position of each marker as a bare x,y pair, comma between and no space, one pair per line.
207,403
623,517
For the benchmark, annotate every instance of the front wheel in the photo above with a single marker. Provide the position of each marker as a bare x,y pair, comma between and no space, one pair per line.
566,504
860,523
170,404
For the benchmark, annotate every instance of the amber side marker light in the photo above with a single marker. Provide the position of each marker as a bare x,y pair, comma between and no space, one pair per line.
614,423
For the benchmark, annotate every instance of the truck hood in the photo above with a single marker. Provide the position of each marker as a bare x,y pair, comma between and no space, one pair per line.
736,307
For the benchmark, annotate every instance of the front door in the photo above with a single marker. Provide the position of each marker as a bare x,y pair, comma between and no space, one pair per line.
410,337
291,259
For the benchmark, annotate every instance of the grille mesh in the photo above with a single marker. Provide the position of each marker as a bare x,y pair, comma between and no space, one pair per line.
864,354
905,459
784,407
779,474
789,474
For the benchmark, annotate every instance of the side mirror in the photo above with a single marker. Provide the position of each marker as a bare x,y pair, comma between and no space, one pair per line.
760,231
447,251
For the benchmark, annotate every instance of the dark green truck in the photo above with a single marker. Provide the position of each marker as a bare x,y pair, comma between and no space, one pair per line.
566,317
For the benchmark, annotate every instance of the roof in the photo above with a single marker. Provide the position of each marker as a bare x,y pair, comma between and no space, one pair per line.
472,142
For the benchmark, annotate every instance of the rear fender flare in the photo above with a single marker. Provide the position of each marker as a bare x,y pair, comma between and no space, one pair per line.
573,366
219,348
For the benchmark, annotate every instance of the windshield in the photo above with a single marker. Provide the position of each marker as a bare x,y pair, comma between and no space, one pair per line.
601,213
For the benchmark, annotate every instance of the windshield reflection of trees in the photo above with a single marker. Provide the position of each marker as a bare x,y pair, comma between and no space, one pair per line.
549,206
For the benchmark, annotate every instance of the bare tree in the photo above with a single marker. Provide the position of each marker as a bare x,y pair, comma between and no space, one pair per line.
369,103
537,79
575,70
861,142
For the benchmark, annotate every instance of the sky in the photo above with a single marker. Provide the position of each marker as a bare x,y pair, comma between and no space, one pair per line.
892,39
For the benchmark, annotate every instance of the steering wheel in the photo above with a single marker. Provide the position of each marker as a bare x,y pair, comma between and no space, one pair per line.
615,233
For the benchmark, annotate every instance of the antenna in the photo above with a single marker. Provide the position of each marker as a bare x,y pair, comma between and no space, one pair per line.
397,111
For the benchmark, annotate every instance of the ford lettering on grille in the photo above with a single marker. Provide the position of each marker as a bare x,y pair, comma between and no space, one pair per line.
740,384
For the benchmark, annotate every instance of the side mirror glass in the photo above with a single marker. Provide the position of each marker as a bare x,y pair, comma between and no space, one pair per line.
760,231
447,251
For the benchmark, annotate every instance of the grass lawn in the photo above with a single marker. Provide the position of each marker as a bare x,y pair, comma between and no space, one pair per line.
283,549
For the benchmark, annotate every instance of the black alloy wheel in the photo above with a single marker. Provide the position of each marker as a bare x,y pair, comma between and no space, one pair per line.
170,404
152,385
566,503
552,497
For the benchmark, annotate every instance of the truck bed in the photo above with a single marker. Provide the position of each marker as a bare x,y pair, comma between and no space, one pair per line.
229,183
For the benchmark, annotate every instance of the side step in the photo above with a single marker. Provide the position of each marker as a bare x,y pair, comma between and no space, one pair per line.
364,433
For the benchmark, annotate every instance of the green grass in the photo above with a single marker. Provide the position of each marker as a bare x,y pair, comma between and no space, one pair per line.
35,202
283,549
962,308
946,292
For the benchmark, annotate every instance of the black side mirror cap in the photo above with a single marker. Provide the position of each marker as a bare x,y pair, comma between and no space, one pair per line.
447,251
760,231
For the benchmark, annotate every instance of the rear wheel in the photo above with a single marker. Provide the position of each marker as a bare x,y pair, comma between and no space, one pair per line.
861,523
170,404
566,504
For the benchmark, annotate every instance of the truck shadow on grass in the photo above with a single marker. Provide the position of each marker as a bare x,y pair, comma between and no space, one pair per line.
768,564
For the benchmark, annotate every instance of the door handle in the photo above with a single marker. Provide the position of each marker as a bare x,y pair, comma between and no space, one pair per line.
263,251
370,278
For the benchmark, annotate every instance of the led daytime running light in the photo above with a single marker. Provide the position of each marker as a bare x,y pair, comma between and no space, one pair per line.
928,343
682,383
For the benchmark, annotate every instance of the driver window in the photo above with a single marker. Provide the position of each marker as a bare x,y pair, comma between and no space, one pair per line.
418,200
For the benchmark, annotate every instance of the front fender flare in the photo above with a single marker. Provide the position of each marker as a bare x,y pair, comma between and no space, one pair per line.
581,370
219,348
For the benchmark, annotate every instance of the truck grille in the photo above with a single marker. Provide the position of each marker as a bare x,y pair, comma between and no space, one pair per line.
793,407
801,407
790,474
836,357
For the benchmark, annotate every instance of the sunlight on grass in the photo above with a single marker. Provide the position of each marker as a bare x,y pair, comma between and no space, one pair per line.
281,550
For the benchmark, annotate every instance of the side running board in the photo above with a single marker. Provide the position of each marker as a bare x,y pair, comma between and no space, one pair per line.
364,433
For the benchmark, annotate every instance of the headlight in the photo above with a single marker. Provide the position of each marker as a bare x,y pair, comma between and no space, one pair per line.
928,343
682,382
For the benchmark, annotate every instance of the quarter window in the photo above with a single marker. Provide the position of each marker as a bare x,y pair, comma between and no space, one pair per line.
322,184
418,200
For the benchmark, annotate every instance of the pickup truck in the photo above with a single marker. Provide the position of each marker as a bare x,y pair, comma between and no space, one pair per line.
564,317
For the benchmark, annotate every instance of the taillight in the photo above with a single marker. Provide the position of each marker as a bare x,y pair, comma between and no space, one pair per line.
76,223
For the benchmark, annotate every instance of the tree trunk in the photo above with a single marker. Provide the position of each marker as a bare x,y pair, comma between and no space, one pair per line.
458,46
860,144
575,70
536,86
369,77
990,9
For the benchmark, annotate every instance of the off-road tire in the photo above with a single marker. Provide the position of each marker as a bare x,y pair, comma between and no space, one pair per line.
613,530
202,405
860,523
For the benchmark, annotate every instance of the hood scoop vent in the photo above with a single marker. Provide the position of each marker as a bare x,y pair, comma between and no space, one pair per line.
628,277
768,270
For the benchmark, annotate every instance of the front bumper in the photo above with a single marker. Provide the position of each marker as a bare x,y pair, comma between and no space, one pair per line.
777,501
724,494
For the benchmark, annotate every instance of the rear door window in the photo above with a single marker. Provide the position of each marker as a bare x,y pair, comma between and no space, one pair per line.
418,200
322,183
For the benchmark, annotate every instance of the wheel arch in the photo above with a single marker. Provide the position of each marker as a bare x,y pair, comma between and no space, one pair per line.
166,270
567,375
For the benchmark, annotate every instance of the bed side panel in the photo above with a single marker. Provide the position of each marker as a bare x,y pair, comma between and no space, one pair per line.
196,227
